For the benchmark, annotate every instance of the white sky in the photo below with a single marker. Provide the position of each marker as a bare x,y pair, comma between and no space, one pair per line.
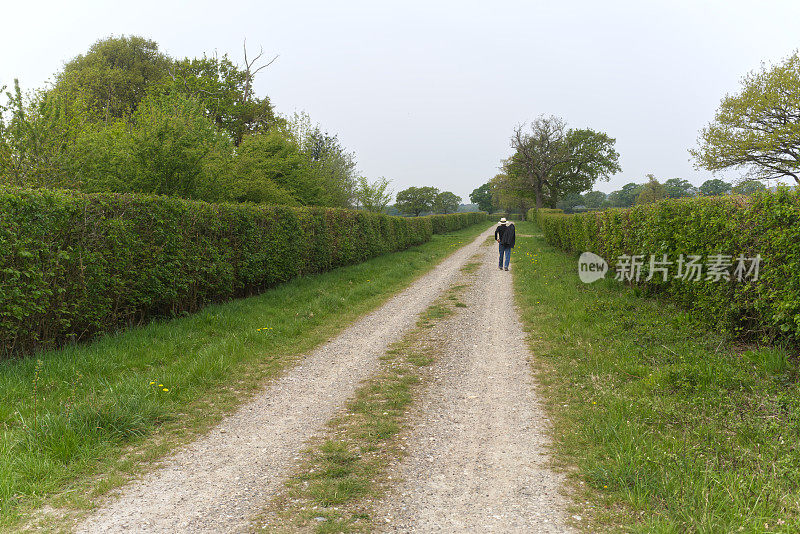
428,93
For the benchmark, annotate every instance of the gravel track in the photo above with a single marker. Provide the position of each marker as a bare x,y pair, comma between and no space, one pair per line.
216,483
477,446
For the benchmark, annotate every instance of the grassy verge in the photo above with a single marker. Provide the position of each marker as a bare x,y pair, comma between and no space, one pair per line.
669,426
79,421
344,470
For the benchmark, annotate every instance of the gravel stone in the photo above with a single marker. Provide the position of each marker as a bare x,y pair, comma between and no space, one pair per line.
477,451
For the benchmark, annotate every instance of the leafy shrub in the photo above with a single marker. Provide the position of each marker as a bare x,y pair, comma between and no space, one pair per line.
455,221
511,216
73,265
765,223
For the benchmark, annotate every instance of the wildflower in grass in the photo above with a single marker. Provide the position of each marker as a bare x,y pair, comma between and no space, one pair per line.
165,389
152,383
161,385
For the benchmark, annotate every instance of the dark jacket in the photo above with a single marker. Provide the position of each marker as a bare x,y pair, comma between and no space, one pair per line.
499,231
509,236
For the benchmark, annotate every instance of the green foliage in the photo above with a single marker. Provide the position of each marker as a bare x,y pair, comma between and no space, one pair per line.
373,196
126,118
679,188
328,161
594,199
112,77
482,196
748,188
757,129
670,426
767,224
625,197
715,187
225,91
416,200
556,161
169,147
511,190
72,418
446,202
569,202
171,139
73,265
442,224
269,168
37,133
651,192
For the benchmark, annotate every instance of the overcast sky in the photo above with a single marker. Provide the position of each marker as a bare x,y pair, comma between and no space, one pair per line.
428,93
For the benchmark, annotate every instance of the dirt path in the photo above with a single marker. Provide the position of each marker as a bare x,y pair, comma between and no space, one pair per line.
216,483
477,448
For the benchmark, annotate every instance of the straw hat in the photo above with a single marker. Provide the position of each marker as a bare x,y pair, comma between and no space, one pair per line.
503,221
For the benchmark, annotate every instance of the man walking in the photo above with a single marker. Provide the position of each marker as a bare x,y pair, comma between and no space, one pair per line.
506,236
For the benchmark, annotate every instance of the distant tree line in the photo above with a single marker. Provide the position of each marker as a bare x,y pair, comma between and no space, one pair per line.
125,117
651,191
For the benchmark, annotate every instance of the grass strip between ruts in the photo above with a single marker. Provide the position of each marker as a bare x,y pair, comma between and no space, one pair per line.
665,425
344,470
79,421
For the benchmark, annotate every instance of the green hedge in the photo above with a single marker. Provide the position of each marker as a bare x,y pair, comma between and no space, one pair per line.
767,224
533,213
74,265
510,216
455,221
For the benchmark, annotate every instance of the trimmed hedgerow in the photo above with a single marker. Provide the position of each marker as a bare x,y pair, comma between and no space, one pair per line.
455,221
74,265
767,224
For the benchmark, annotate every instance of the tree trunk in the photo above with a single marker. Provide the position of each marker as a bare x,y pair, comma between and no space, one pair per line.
538,187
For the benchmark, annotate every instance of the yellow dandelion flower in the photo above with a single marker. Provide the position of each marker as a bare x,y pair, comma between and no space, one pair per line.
161,385
165,389
152,383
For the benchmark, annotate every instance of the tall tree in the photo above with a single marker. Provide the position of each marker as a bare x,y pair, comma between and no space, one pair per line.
113,76
594,199
446,202
37,139
679,188
748,187
226,92
269,168
651,191
625,197
482,196
416,200
560,160
759,128
329,161
570,201
511,191
373,196
715,187
589,157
